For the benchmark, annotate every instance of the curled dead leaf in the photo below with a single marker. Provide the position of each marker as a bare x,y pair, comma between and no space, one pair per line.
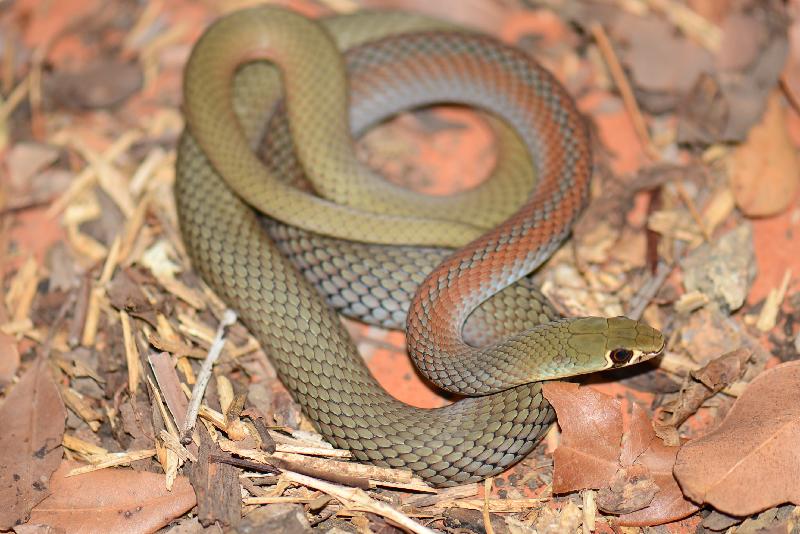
751,462
708,380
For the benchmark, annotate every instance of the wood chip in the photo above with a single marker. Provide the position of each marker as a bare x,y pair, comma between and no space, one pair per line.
768,317
131,353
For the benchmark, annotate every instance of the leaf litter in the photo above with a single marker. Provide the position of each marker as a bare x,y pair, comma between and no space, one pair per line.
697,130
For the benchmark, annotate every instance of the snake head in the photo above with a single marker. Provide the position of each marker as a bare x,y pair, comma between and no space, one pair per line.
611,343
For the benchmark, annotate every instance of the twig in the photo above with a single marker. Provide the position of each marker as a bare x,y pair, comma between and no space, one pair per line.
628,99
250,465
205,375
789,94
17,96
589,511
113,459
509,505
769,313
357,499
347,473
131,352
693,211
487,520
639,302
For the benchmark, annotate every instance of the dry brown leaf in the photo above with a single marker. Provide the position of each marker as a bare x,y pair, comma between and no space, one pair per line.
30,444
751,462
98,85
764,170
708,381
112,500
590,443
653,45
25,160
595,453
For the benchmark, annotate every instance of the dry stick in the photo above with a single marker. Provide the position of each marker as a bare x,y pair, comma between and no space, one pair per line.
245,464
628,99
205,375
487,520
648,291
589,511
357,499
789,94
17,96
693,211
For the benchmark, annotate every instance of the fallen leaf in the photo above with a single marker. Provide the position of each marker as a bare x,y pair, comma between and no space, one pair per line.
30,444
100,85
729,98
764,171
588,454
595,453
25,160
751,462
112,500
669,504
704,112
653,43
630,490
63,269
708,380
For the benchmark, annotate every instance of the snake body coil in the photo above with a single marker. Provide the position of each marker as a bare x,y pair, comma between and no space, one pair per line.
474,324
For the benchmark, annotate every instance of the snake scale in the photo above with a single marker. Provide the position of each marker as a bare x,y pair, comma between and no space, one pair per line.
285,224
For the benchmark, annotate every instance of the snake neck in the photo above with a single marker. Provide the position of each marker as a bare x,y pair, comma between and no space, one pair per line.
496,260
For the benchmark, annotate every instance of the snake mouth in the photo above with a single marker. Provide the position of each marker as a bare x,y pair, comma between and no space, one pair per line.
660,350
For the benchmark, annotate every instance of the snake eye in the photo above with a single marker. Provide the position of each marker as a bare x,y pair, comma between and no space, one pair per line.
620,356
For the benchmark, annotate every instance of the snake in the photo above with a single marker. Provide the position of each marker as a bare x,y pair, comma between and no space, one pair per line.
282,220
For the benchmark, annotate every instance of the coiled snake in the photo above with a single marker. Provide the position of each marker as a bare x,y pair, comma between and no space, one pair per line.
337,236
